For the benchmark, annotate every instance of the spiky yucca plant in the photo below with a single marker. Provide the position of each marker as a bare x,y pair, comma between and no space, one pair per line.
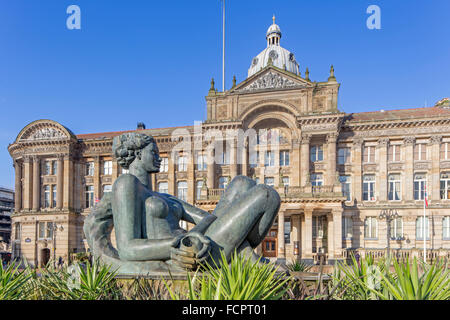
12,282
241,279
413,282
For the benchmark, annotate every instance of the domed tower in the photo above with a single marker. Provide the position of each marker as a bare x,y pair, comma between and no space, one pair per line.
274,54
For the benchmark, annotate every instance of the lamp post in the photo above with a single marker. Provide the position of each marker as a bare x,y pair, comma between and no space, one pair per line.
389,215
55,229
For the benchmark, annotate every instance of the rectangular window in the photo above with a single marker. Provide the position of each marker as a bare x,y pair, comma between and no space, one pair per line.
394,187
269,159
369,154
223,182
269,181
182,164
163,187
369,188
47,168
42,230
420,182
226,156
254,159
46,196
285,181
445,186
371,228
420,228
284,158
445,151
201,162
53,196
346,186
182,190
287,230
107,188
344,155
397,229
164,165
316,179
54,167
198,189
107,168
420,152
17,231
45,230
347,227
446,228
316,153
89,168
89,196
394,153
318,224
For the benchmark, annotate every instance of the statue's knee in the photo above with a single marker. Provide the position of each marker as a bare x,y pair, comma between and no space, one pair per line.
242,183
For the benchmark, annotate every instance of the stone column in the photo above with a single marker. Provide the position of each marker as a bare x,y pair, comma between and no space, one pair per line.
191,178
171,173
304,163
97,182
331,158
244,165
281,244
233,160
382,176
435,169
307,245
408,187
295,163
36,183
357,169
68,183
210,166
296,235
28,183
337,224
18,186
330,235
60,182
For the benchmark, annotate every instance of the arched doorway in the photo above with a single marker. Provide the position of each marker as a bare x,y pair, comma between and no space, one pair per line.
45,257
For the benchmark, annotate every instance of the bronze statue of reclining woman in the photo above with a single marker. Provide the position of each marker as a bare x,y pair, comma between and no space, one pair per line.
147,223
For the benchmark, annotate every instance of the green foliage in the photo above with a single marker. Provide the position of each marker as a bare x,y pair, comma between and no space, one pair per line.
298,266
241,279
411,282
359,280
78,282
12,282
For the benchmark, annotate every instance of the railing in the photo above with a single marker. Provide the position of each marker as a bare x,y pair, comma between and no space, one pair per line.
215,194
399,254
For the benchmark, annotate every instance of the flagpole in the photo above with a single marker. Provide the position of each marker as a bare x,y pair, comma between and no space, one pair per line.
223,48
424,225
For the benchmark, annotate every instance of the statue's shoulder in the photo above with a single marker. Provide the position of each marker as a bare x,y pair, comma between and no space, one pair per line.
126,181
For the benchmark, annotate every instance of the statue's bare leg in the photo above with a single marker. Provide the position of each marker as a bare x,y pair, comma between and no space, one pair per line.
245,219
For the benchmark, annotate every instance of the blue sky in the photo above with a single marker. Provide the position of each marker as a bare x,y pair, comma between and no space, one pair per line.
152,61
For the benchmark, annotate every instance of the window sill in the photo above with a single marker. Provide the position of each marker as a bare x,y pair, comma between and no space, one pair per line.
371,239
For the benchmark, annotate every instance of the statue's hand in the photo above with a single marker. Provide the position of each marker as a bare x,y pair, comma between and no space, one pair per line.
190,249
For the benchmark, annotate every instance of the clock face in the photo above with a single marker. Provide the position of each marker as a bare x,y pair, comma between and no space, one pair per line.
255,61
292,57
273,54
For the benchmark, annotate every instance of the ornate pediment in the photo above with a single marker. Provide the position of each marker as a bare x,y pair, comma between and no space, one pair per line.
270,80
42,130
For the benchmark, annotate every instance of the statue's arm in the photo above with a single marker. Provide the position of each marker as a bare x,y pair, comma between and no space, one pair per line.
127,207
191,214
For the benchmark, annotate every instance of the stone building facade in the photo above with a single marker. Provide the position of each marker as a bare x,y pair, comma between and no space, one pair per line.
336,172
6,209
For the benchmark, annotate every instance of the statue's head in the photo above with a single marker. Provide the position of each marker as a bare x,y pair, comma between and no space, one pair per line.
137,149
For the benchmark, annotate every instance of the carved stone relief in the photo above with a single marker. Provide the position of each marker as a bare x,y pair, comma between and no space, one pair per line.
271,81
